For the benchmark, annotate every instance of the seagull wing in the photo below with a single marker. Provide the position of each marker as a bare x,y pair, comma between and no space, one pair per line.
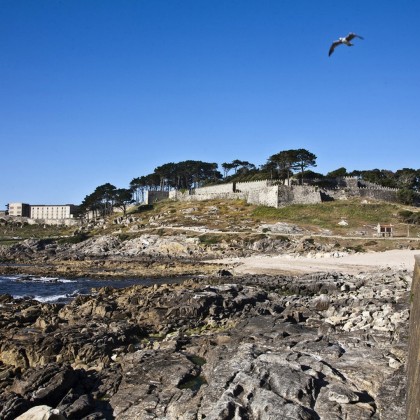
333,45
352,35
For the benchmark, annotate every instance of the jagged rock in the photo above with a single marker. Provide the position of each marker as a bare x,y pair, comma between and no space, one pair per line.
224,273
41,412
342,394
12,405
222,347
47,385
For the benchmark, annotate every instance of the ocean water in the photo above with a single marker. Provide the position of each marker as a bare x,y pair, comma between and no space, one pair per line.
61,290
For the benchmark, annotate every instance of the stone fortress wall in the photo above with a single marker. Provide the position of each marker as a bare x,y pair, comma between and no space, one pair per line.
348,187
273,193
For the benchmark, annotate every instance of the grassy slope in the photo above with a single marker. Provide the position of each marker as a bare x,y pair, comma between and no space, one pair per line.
360,217
237,216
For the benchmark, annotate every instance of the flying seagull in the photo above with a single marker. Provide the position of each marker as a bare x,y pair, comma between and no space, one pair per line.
345,41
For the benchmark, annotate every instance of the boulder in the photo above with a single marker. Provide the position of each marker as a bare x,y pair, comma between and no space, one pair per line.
41,412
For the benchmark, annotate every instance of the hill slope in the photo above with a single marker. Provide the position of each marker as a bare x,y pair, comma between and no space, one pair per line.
173,238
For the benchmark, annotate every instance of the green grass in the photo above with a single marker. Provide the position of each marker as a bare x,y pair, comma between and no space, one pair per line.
197,360
210,239
234,216
327,215
34,231
74,239
194,383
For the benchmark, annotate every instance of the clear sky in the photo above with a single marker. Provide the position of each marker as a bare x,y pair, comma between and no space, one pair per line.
96,91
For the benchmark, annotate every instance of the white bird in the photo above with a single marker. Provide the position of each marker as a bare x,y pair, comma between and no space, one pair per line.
345,41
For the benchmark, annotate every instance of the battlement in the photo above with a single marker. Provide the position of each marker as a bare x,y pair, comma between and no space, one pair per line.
273,192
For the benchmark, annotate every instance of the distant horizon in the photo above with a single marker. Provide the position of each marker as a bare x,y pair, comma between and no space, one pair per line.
99,91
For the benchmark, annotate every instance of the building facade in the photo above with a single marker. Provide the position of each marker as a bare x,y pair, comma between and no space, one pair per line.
42,211
52,212
19,209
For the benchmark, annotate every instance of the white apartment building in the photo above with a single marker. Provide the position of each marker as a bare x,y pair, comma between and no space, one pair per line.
19,209
52,212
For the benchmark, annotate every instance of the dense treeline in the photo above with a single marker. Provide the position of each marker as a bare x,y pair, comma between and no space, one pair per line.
407,180
105,197
288,165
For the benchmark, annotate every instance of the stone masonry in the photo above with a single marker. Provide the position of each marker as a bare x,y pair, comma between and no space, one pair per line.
273,193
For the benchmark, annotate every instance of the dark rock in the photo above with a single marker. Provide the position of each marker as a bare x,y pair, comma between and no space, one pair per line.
224,273
79,408
255,347
13,405
47,385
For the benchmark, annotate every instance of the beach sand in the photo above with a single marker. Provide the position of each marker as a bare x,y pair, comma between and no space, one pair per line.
351,264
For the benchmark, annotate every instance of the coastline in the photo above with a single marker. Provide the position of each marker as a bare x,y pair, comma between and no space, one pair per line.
262,264
300,264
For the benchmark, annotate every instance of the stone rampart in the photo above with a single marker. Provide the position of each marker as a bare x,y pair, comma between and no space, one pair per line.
302,194
253,185
263,192
373,191
234,187
285,196
214,189
413,363
208,196
348,182
151,197
331,194
178,195
265,196
385,194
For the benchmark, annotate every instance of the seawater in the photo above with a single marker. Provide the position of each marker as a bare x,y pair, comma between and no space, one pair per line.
61,290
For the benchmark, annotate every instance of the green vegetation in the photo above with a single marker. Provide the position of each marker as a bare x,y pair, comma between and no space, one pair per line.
74,239
283,165
11,232
210,239
410,217
236,222
240,219
356,248
193,383
105,198
197,360
327,215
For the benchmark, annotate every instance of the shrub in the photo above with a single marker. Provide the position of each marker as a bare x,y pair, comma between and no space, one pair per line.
144,207
370,243
357,248
209,239
80,237
123,237
407,216
406,196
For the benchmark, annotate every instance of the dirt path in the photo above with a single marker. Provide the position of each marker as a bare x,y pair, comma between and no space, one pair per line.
351,264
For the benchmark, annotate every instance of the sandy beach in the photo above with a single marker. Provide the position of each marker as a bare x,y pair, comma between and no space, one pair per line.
351,264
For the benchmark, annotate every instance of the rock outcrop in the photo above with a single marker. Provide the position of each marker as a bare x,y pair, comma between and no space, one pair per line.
325,346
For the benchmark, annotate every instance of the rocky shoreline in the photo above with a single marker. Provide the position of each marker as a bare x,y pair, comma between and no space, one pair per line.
153,255
318,346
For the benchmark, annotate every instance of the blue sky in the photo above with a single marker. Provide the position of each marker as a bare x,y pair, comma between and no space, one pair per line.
96,91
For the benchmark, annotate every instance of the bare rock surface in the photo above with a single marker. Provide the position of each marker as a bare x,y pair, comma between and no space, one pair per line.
175,252
318,346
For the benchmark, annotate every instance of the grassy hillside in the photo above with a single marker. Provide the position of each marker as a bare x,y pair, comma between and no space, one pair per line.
238,216
198,218
360,217
13,233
